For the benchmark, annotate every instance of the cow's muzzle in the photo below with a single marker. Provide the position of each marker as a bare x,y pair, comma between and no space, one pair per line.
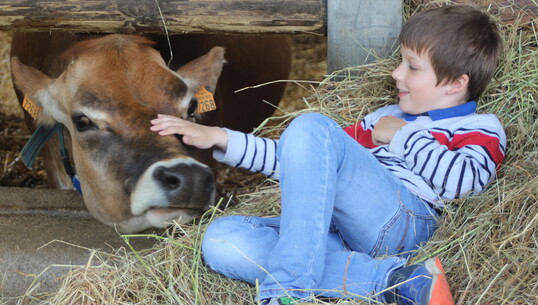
174,184
186,185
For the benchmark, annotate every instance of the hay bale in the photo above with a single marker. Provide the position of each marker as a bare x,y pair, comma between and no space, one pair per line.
488,243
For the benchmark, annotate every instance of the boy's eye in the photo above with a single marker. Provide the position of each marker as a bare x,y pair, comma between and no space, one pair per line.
412,68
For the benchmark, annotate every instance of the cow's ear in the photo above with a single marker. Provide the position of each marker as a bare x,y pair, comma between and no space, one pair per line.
35,85
27,79
205,70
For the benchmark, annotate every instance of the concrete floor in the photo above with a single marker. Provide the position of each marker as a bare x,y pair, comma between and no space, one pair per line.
42,232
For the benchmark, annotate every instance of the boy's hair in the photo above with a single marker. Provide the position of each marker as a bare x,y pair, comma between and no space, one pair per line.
459,40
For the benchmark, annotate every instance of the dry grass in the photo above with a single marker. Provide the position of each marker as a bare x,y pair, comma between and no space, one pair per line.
488,244
7,93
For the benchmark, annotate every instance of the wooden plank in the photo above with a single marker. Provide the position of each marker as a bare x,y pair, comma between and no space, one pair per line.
360,30
507,10
181,16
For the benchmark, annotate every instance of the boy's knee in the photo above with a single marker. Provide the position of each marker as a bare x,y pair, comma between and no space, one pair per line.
310,120
307,124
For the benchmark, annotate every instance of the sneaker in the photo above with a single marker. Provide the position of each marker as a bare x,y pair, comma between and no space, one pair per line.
281,301
420,284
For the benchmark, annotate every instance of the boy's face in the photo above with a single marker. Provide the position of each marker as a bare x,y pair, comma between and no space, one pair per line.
417,82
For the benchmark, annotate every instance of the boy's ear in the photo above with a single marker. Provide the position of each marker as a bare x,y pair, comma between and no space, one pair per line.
461,83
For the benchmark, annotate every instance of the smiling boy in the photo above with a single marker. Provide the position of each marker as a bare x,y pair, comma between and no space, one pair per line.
374,189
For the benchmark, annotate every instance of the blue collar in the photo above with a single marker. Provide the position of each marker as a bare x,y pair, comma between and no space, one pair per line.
439,114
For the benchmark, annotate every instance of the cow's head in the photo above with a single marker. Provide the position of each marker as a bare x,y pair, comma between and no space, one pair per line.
106,97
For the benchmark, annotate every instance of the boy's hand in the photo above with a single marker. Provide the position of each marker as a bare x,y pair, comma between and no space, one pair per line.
385,129
197,135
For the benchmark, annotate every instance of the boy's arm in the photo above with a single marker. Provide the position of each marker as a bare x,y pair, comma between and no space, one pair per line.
362,131
233,148
250,152
454,163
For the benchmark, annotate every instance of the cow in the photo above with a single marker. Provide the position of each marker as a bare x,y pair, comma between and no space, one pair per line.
105,91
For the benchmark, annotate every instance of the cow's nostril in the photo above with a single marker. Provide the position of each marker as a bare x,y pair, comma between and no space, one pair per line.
168,178
171,181
185,185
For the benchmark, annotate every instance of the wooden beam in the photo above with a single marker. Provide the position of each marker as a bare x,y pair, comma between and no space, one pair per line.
180,16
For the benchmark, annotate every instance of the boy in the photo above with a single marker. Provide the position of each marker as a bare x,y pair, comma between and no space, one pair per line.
377,188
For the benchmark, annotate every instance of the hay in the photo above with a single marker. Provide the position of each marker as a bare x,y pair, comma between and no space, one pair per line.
488,245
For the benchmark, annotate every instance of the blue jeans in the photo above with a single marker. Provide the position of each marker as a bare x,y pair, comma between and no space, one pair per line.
341,211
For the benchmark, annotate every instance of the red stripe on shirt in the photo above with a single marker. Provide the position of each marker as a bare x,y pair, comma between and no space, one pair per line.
360,135
490,143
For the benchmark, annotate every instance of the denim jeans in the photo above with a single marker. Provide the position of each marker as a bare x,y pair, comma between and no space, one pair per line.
341,211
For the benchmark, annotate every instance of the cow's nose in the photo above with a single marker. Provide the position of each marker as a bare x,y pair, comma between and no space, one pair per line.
186,185
171,180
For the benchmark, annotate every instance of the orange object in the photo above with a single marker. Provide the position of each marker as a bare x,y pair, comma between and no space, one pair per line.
440,293
31,107
206,102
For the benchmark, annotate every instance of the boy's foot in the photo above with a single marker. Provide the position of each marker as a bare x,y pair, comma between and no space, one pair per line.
284,301
280,301
420,284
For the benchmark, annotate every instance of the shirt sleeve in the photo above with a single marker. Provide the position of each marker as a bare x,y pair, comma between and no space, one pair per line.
253,153
454,163
362,131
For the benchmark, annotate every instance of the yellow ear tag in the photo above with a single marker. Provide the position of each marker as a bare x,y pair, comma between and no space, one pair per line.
31,107
206,102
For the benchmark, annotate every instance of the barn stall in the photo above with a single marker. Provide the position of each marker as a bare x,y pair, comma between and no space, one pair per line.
492,235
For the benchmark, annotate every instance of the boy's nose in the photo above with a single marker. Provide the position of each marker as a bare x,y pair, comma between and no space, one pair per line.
397,72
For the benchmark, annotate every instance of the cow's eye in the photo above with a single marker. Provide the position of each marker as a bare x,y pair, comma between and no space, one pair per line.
83,123
193,104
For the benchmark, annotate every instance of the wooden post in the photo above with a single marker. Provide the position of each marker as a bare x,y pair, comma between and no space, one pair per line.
360,30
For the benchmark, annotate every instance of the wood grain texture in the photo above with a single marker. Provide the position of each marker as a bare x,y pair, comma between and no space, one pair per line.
180,16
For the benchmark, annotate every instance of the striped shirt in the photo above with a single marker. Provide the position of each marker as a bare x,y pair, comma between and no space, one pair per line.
442,155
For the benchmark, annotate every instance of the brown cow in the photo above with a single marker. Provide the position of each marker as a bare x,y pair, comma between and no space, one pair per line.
105,93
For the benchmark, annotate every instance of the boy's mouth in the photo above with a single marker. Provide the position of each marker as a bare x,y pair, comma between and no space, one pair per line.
402,93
